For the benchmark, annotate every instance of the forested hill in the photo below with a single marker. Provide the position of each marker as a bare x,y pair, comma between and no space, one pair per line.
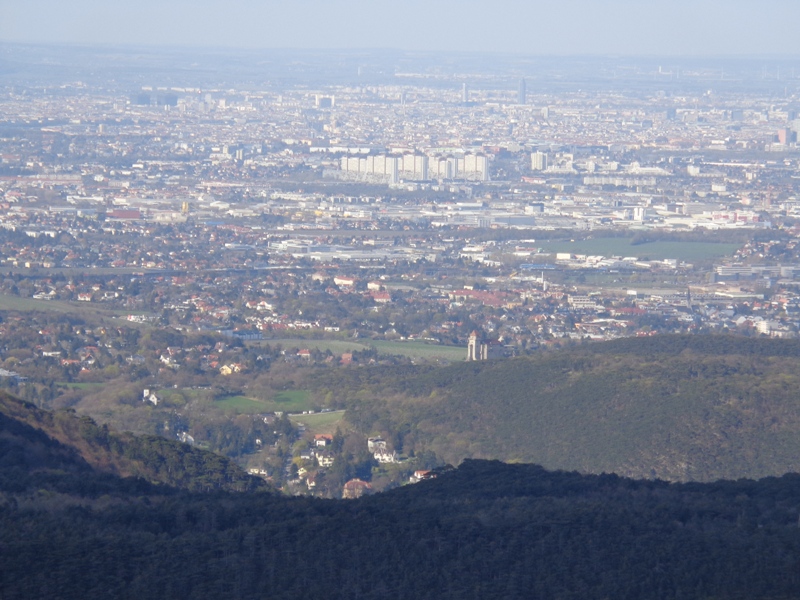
673,407
37,440
713,345
486,530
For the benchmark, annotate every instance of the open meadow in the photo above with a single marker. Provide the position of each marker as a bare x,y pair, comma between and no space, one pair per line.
410,349
321,422
657,250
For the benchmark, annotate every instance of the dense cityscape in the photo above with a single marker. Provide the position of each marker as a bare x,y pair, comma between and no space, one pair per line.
201,251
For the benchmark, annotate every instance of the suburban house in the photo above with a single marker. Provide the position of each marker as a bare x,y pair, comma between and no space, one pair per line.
324,458
355,488
230,369
321,440
375,444
385,456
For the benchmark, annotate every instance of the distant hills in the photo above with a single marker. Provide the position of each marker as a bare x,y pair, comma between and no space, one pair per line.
678,408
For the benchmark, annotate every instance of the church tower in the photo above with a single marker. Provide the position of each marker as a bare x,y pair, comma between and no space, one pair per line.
473,347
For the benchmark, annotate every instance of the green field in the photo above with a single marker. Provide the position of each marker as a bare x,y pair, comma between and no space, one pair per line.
288,401
688,251
81,386
8,302
241,404
420,350
320,422
291,401
86,310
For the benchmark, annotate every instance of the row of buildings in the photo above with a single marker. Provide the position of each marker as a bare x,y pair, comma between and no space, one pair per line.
392,169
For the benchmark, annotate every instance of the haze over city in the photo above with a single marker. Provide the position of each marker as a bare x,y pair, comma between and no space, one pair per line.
568,27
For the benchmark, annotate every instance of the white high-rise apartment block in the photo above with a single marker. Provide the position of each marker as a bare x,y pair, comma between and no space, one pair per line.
379,169
539,161
415,167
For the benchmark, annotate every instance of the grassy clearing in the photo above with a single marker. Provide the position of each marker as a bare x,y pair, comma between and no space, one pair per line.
420,350
291,401
288,401
29,304
81,386
241,404
89,311
689,251
320,422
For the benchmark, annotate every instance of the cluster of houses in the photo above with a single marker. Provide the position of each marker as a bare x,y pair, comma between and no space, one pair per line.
320,455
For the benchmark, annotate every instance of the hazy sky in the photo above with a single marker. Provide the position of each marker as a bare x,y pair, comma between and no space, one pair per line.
664,27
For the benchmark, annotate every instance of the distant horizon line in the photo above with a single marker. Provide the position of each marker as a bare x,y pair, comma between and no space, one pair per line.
396,50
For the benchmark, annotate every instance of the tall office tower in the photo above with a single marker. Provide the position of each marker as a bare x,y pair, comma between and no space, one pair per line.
786,136
539,161
464,93
521,92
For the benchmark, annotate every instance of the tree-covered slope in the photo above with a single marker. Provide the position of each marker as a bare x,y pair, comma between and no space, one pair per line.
486,530
36,439
674,407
